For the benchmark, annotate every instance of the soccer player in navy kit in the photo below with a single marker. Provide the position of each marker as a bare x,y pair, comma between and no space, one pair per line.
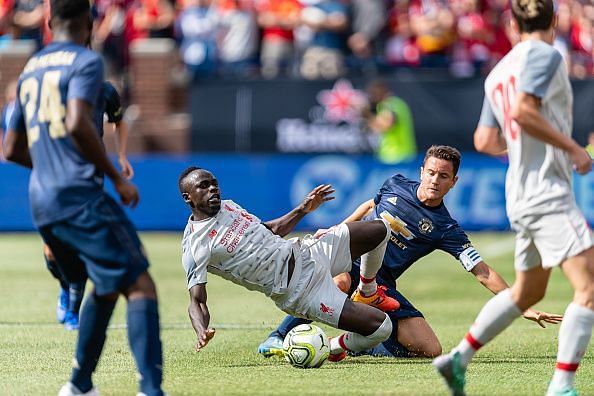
54,131
420,224
71,293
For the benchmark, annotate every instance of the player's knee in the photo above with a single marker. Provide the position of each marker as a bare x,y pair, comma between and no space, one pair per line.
382,333
432,350
585,296
110,298
143,287
48,253
343,282
525,298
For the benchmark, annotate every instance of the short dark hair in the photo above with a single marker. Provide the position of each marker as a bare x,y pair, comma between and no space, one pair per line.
533,15
69,9
183,175
447,153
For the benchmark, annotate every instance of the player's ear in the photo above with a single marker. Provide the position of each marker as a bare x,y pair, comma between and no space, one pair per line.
421,174
454,181
186,198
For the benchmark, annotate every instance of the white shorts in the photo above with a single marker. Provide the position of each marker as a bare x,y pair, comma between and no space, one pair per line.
550,239
315,296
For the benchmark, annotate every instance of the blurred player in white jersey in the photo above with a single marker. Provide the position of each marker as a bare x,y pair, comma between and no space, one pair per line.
224,239
528,112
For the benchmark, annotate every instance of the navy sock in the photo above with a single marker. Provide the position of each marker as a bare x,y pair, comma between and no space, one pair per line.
76,291
143,335
53,269
288,323
95,317
396,348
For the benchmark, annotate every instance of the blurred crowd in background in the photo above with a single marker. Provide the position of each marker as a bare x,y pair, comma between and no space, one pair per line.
313,39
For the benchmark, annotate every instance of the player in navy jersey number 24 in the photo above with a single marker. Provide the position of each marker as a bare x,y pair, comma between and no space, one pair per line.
54,131
71,294
420,224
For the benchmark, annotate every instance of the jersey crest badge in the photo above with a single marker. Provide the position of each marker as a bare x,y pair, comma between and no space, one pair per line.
212,234
392,200
425,226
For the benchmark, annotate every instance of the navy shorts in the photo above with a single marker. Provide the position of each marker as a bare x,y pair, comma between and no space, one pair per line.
406,310
99,242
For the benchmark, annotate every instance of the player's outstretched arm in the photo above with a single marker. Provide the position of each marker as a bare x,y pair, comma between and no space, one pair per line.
80,126
489,278
16,148
362,210
285,224
526,113
199,316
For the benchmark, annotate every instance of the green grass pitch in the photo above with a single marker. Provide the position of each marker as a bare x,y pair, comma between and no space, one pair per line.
36,353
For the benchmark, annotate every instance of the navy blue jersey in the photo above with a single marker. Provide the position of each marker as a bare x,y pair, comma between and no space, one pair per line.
112,105
62,181
417,229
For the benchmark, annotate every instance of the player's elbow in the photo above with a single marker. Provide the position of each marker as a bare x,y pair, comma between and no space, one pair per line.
9,151
10,148
480,142
74,126
522,113
484,139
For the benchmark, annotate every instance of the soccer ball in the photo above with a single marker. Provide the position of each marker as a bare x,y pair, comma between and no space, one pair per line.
306,346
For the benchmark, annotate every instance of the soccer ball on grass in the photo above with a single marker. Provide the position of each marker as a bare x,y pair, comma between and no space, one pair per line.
306,346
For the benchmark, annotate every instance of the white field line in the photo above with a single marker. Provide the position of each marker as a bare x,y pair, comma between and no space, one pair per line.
164,326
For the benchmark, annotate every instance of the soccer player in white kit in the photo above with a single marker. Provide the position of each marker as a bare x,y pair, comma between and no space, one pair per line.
224,239
528,112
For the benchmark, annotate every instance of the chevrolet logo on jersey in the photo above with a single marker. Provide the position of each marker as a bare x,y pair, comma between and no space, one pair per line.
392,200
397,225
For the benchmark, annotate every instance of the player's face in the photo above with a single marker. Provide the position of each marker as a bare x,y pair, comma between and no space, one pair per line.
204,195
437,178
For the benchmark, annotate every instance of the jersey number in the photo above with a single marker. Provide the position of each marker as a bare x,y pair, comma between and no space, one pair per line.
503,95
50,109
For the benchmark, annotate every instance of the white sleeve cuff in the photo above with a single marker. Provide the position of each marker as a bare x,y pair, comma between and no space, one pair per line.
470,258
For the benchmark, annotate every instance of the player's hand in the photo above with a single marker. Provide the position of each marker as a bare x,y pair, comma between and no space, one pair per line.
127,170
127,192
319,233
542,317
582,162
204,338
316,197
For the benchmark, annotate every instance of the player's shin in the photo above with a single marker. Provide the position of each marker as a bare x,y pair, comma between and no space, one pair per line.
76,291
371,262
145,342
499,312
356,342
95,316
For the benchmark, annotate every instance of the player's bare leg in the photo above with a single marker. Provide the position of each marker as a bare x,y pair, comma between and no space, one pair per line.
369,240
366,327
499,312
576,329
418,337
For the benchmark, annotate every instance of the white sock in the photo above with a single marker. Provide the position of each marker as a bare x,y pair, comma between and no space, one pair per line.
574,335
371,262
497,314
357,342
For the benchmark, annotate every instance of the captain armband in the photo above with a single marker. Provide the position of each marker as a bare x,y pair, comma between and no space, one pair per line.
469,258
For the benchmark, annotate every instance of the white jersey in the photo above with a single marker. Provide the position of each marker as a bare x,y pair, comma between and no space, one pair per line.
237,246
539,177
